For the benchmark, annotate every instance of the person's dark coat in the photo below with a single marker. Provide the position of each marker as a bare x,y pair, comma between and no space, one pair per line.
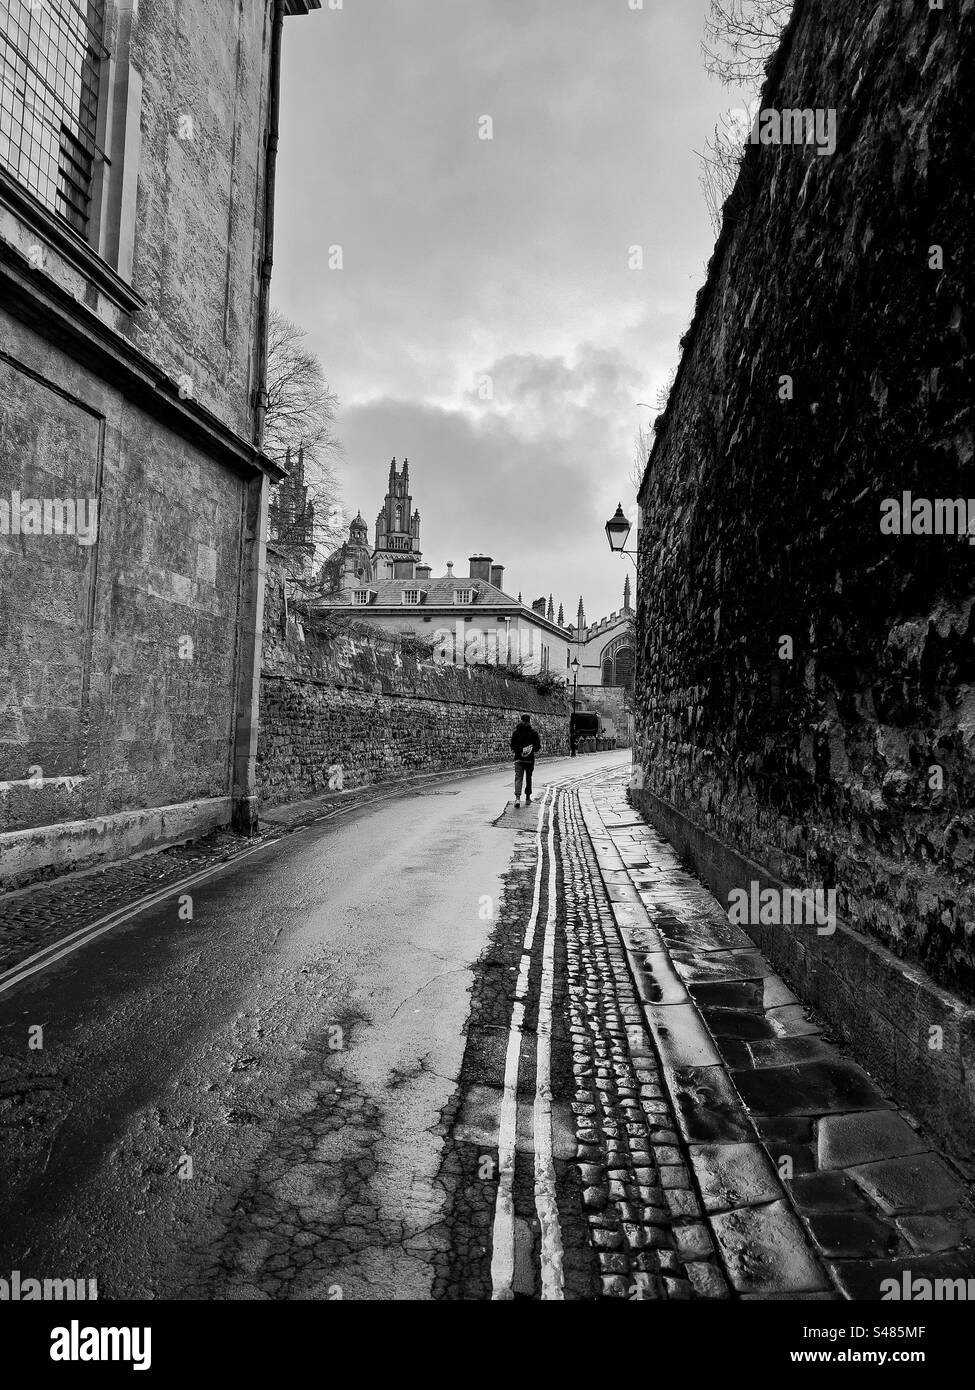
524,737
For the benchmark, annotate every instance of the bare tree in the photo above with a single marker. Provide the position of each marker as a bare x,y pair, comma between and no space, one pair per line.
300,421
740,37
300,404
721,162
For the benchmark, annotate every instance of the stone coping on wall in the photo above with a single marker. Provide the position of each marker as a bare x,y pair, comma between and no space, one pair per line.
887,1012
68,845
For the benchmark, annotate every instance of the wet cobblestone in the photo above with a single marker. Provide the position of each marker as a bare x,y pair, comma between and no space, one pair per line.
635,1221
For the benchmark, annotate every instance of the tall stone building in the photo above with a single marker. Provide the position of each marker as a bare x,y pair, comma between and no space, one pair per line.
397,551
137,150
468,619
606,650
291,516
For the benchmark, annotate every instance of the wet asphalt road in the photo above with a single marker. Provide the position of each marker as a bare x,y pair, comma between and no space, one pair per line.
248,1102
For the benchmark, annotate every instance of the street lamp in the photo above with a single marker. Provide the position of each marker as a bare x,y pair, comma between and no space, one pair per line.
617,532
572,727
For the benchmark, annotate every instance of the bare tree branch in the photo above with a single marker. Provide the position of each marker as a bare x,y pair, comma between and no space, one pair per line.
301,413
739,38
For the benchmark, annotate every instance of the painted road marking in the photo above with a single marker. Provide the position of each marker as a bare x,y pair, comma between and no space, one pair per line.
74,941
546,1203
503,1235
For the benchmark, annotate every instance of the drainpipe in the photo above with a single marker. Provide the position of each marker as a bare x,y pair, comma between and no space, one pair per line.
244,807
267,259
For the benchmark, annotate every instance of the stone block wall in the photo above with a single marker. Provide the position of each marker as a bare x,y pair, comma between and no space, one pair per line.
378,709
807,680
117,680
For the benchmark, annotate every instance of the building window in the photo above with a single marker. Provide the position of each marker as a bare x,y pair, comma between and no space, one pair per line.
51,58
411,596
360,595
463,596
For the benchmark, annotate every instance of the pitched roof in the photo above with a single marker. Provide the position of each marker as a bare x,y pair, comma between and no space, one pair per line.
438,593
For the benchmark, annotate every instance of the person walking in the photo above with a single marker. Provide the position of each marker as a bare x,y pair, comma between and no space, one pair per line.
525,743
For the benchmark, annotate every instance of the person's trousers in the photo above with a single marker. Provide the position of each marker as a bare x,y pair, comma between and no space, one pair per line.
523,773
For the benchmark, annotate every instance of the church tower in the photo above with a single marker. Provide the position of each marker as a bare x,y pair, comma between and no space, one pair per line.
397,551
356,561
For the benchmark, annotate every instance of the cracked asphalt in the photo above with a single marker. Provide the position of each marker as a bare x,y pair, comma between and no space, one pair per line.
254,1101
446,1049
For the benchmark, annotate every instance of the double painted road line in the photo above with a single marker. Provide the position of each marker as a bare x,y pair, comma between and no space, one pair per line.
503,1238
67,945
546,1202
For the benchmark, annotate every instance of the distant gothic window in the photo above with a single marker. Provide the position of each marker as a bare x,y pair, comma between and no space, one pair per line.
398,526
624,667
608,671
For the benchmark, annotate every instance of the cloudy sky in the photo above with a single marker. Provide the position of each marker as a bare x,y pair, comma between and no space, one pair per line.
486,321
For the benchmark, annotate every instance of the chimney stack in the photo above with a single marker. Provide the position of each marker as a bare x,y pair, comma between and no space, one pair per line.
423,571
450,569
481,567
497,576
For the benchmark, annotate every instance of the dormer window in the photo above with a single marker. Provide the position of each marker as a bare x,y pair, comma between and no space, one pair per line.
463,596
411,595
361,595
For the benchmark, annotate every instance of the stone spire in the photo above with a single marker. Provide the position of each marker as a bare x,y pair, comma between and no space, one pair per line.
626,595
561,616
581,616
551,610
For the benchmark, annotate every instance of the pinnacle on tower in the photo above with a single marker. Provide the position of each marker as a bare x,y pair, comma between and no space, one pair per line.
551,610
581,615
626,595
561,617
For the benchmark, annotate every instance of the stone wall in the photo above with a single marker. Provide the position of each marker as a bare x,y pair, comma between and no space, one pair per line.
127,375
118,677
347,708
199,213
807,683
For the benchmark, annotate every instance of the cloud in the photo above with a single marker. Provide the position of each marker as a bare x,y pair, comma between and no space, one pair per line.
523,478
508,258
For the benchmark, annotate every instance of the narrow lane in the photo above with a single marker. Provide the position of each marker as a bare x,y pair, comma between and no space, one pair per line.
248,1102
446,1049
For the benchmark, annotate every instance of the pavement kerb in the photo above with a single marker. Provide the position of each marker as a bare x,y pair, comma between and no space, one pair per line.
592,818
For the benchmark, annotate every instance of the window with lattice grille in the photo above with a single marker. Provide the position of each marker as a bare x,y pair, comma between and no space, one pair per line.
51,58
